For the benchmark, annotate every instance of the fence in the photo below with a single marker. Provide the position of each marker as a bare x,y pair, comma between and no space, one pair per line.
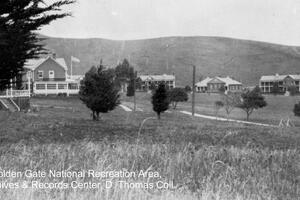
46,88
9,93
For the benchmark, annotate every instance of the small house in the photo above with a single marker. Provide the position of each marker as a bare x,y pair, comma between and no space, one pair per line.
213,85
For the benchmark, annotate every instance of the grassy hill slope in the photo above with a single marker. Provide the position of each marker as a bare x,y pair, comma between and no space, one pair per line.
244,60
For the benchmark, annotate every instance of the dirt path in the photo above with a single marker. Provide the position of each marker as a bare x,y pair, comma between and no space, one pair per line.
229,120
126,108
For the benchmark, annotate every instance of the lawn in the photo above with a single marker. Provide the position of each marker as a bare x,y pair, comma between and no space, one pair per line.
203,159
278,107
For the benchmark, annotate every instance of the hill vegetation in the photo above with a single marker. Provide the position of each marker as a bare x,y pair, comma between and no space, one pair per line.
243,60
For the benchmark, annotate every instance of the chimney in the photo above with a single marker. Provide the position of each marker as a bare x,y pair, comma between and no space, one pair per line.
54,55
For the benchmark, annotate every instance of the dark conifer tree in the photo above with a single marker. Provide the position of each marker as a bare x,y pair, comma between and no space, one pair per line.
160,100
132,79
19,19
98,91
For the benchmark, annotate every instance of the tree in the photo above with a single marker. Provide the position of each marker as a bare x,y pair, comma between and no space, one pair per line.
218,106
132,80
230,101
275,89
98,90
160,100
188,88
152,86
222,89
19,21
252,100
297,109
177,95
293,90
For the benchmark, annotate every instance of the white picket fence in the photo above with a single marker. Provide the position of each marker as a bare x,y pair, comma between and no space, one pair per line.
15,93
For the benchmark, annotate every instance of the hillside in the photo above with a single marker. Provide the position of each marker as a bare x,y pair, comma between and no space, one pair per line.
244,60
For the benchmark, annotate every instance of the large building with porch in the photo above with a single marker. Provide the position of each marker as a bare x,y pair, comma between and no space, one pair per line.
148,81
266,83
49,75
213,85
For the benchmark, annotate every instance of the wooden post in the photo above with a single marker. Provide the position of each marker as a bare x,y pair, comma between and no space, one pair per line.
11,88
134,90
71,68
28,84
193,89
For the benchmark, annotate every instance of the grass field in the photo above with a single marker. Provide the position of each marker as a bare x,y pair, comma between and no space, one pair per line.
204,159
278,107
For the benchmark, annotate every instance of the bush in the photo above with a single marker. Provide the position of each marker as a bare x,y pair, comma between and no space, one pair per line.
177,95
297,109
222,89
252,100
293,90
188,88
218,106
275,89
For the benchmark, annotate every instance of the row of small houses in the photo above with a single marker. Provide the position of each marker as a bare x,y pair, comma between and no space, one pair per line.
49,75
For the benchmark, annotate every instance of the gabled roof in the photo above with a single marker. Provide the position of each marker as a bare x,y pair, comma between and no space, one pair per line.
163,77
227,80
217,80
278,77
204,82
34,63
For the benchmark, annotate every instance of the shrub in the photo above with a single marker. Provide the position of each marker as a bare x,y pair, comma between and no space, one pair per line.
177,95
218,106
160,100
297,109
275,89
252,100
230,101
293,90
188,88
222,89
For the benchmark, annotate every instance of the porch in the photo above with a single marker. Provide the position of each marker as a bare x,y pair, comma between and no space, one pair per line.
48,88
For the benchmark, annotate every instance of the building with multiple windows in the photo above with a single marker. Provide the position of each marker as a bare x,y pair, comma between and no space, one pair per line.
266,83
49,76
213,85
145,82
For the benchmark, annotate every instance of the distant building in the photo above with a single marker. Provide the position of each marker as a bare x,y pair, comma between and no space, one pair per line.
266,83
49,76
213,85
145,82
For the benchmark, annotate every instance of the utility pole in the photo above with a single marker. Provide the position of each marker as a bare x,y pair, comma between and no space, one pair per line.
193,86
134,90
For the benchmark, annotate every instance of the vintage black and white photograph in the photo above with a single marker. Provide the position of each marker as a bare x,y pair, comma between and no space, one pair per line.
149,100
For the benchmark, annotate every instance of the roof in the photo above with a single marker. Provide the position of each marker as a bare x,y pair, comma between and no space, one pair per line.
204,82
227,80
278,77
34,63
163,77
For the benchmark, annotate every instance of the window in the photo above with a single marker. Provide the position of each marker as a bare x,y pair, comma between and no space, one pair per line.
40,86
40,74
51,74
51,86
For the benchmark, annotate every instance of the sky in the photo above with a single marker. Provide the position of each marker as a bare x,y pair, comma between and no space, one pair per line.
275,21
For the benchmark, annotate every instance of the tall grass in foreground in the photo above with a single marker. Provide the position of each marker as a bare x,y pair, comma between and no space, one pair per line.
206,172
